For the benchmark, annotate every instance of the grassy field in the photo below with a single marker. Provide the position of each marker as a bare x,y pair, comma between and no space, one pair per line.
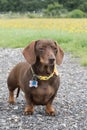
70,33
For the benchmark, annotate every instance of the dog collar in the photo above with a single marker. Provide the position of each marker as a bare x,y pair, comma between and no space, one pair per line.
45,77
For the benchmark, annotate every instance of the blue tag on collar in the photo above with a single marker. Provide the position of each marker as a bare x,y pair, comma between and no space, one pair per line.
33,83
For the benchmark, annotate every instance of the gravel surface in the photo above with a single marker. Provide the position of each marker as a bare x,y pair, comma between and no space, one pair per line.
70,102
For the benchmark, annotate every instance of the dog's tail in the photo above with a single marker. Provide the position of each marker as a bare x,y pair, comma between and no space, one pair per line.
18,92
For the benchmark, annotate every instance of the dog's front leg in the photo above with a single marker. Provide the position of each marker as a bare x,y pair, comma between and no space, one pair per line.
49,108
29,109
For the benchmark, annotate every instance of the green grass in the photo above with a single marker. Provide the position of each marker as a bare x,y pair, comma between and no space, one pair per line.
21,37
71,42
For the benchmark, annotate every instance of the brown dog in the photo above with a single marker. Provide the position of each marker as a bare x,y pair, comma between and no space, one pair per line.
37,77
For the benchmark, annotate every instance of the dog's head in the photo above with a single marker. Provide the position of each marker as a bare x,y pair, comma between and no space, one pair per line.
48,52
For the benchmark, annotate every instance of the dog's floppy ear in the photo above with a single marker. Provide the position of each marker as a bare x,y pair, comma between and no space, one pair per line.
60,54
29,53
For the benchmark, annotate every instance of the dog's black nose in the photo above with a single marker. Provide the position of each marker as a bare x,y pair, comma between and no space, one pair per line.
51,60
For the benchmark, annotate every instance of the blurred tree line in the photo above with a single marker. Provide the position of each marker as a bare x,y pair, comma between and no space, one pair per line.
48,7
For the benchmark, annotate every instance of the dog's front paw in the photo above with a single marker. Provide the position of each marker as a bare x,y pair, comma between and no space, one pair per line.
51,113
28,110
50,110
28,113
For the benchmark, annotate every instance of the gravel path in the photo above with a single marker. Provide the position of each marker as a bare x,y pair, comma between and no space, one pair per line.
70,102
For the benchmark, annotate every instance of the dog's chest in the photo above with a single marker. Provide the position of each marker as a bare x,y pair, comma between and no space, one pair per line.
42,94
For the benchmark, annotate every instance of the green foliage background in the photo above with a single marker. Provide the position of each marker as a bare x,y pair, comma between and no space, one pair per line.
50,8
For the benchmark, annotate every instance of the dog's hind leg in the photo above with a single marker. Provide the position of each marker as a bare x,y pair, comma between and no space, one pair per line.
11,99
12,85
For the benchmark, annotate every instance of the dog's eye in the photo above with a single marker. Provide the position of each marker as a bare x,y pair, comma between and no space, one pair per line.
41,49
55,50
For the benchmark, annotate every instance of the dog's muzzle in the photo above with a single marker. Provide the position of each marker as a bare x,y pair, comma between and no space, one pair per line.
51,61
